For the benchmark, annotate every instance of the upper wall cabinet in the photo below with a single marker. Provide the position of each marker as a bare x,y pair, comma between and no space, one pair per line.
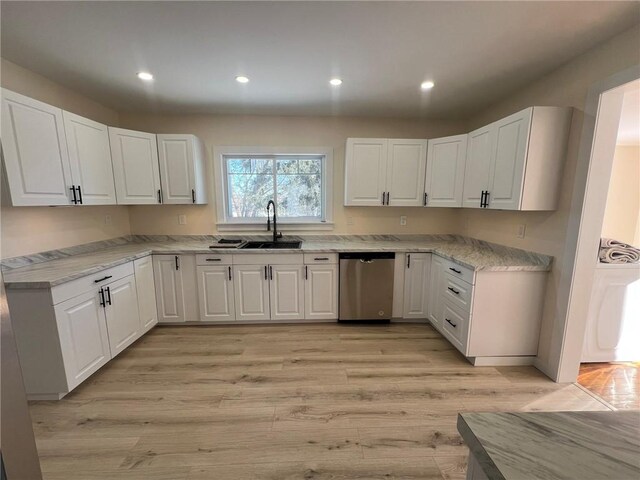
516,163
445,171
380,171
35,152
182,169
90,160
135,167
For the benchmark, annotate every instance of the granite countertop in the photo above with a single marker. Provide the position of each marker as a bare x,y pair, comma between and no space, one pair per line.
472,254
554,445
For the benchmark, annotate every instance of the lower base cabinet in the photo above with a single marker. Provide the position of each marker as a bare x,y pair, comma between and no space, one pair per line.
286,291
321,292
65,333
215,293
251,292
145,287
176,291
417,274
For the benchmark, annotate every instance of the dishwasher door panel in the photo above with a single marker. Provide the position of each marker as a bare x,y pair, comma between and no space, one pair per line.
366,289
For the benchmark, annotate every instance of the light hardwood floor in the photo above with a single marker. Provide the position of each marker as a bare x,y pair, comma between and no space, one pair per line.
278,402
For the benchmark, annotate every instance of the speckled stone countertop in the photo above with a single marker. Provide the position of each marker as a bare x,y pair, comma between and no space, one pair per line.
554,445
44,272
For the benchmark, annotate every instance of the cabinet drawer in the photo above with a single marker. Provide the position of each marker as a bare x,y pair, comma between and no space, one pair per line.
455,326
214,260
457,292
71,289
458,271
322,258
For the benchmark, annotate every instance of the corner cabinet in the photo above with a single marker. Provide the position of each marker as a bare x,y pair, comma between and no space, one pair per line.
176,290
135,167
35,153
182,175
516,163
145,287
380,171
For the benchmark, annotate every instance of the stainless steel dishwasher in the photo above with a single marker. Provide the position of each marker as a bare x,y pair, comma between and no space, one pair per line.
366,286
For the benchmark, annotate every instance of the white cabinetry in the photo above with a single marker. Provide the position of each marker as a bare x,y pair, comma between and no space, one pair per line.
516,163
446,158
416,285
251,285
35,152
176,290
145,287
286,291
321,290
123,318
182,169
84,341
90,160
380,171
435,286
135,166
67,332
215,293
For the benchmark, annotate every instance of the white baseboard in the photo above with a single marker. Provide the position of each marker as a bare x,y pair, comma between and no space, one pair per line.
501,361
45,396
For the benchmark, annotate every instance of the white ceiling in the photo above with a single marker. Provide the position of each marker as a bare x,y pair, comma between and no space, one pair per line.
629,128
476,52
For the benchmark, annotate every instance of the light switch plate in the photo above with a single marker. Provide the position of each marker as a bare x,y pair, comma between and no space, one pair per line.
107,219
182,219
403,220
521,230
350,221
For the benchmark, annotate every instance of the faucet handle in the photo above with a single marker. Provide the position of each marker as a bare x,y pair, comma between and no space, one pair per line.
279,235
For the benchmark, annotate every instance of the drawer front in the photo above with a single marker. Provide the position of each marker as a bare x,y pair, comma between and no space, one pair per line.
202,260
71,289
458,271
320,258
268,259
457,292
455,326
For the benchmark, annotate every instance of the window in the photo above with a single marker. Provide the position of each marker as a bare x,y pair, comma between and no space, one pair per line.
295,181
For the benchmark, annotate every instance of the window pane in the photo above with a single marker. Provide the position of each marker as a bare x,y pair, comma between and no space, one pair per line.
300,195
250,184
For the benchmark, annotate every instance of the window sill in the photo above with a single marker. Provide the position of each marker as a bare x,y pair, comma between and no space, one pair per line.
283,227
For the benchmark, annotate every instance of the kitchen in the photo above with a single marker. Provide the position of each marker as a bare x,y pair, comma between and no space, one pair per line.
137,325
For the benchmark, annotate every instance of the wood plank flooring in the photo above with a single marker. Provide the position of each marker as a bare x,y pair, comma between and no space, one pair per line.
279,402
617,383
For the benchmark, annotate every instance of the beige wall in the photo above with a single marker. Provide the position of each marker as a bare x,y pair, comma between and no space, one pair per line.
546,231
292,131
622,214
26,230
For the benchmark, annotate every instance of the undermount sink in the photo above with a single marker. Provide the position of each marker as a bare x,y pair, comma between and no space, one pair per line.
275,245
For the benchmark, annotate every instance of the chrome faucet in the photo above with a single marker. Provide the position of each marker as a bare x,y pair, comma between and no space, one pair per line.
276,234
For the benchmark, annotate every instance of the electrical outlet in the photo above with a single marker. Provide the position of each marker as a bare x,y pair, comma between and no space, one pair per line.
107,219
403,220
521,230
350,221
182,219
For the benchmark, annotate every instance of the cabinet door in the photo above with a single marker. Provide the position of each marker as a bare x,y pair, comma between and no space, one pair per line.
146,290
35,152
365,171
436,285
251,292
480,150
446,159
177,174
416,285
507,168
215,293
406,164
83,334
135,166
321,292
123,319
169,288
286,289
90,159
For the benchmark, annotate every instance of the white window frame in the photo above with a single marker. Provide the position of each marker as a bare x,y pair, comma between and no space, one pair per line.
226,223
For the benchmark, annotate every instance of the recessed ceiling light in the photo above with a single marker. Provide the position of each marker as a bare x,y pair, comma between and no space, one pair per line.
242,79
335,82
427,85
145,76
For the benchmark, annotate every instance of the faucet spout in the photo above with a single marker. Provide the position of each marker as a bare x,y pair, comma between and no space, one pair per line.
276,234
